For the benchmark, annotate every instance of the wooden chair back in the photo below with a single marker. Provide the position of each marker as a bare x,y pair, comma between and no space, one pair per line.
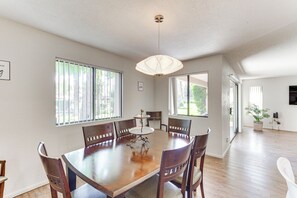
2,168
198,152
122,127
155,116
2,177
174,163
98,133
55,173
179,126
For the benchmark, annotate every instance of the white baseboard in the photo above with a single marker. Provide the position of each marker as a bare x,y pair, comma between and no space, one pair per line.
214,155
227,149
273,129
218,156
24,190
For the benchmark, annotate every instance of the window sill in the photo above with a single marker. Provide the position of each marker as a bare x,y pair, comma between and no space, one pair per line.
190,116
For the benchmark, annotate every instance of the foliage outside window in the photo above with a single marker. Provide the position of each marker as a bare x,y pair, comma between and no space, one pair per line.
86,93
188,95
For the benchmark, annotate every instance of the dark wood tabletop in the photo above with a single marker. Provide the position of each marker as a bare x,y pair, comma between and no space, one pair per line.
116,166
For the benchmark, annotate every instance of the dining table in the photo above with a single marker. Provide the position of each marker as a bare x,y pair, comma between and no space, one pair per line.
116,166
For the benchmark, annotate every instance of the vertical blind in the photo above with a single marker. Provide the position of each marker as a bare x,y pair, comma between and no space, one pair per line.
256,96
85,93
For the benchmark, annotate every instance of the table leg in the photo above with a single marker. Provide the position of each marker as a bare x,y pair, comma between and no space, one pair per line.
71,179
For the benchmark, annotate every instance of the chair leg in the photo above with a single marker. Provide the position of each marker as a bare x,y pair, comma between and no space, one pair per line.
54,193
1,190
202,189
189,192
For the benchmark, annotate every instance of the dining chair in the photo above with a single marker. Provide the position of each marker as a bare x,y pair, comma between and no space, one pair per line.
180,126
173,163
285,168
57,179
98,133
155,116
195,174
122,127
2,177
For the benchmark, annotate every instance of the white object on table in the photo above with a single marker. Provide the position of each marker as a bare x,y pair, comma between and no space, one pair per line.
141,117
141,130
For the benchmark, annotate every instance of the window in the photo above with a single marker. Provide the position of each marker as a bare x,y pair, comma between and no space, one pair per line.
188,95
85,93
256,96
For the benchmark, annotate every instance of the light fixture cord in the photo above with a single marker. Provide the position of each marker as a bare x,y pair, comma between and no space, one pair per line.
158,38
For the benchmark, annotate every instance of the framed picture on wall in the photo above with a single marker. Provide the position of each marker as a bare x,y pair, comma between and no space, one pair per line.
140,86
4,70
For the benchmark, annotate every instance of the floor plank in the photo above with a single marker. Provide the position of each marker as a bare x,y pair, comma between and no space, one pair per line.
248,169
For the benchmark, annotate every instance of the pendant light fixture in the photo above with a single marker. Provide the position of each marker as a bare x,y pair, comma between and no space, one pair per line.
159,64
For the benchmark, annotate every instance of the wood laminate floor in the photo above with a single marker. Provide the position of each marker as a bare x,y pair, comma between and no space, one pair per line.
247,171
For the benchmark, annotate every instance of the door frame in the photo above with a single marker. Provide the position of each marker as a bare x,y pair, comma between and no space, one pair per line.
236,128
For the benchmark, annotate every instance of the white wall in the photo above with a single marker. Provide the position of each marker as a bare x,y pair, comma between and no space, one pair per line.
27,101
218,102
276,98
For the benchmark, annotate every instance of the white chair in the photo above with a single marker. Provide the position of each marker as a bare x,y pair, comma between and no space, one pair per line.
285,168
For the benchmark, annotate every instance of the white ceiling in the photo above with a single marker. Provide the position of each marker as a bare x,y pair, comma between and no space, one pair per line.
258,37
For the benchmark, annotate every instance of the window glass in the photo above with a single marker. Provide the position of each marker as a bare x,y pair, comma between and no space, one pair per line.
76,97
108,95
188,95
198,94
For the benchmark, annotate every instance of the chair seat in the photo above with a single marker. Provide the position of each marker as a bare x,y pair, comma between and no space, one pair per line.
285,168
88,191
2,179
148,189
196,176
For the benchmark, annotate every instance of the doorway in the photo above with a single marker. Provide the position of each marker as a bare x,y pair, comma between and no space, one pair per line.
233,112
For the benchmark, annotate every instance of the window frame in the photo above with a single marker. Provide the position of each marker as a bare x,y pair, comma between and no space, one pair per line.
187,75
94,68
